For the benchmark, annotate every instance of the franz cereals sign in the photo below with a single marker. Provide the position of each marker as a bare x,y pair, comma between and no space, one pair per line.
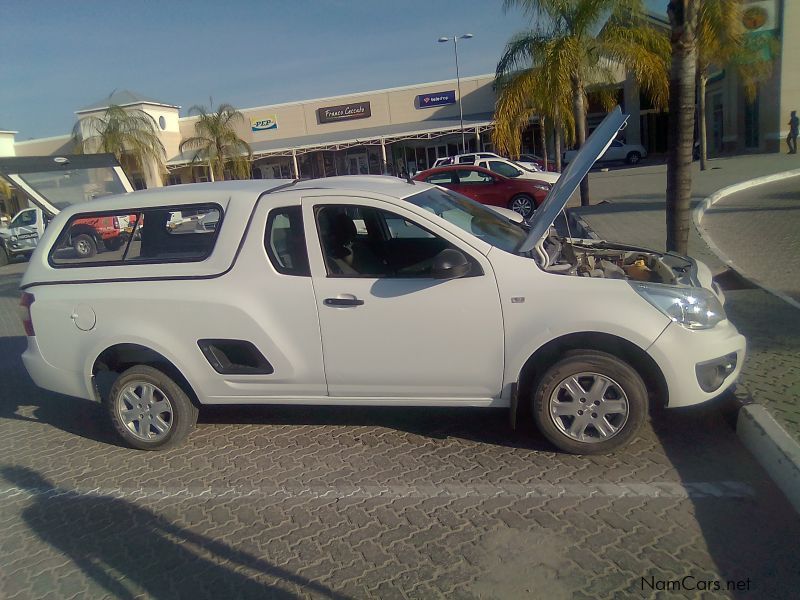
344,112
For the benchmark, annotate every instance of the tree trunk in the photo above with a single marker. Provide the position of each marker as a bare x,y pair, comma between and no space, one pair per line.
557,143
579,111
701,114
543,139
683,19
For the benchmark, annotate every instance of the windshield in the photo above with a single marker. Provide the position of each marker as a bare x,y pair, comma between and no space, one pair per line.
24,219
63,188
472,217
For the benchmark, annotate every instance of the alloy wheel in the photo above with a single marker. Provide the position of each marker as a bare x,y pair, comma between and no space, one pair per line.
589,407
145,410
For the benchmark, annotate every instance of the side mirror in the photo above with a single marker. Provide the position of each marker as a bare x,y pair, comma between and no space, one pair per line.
450,264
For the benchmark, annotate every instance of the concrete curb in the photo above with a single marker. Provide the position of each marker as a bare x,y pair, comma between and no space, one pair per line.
770,444
699,212
773,448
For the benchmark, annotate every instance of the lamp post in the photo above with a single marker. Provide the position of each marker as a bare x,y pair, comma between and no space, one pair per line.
455,39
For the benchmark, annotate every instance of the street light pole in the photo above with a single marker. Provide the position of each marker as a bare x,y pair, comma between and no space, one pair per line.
465,36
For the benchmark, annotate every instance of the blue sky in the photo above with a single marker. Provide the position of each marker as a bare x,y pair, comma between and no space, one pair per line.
58,56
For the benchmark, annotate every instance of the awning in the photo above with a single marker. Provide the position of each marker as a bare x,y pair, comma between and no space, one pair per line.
369,136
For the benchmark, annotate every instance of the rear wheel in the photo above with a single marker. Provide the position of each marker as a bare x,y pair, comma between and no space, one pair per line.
633,158
590,402
149,410
523,204
84,246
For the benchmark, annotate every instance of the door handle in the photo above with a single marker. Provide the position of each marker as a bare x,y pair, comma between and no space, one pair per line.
346,301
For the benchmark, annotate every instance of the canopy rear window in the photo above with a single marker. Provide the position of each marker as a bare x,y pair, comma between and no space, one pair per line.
184,233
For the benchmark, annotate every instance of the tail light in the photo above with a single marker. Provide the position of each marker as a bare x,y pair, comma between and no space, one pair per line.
115,221
25,302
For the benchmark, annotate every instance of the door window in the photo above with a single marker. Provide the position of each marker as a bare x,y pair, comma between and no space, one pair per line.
441,178
389,246
285,242
471,176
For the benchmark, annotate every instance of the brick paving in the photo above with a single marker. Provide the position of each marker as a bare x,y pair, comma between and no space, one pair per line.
332,502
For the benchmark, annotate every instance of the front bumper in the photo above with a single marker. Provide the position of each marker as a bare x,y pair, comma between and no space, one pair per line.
52,378
678,351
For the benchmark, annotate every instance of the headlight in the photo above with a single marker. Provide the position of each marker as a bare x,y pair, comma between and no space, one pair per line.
694,308
14,238
541,186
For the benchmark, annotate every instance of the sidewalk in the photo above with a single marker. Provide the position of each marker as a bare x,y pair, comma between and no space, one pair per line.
629,207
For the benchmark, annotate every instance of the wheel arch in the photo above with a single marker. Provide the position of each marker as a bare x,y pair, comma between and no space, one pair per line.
547,354
120,356
81,229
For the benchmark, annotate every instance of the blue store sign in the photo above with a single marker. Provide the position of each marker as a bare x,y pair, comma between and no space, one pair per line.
435,99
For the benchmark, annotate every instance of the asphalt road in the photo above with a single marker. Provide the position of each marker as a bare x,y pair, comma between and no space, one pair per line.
284,502
759,230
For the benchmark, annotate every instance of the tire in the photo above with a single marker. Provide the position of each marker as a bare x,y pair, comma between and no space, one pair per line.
84,246
177,419
3,257
633,158
625,397
523,204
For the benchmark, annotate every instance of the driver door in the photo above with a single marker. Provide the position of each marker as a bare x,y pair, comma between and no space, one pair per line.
389,329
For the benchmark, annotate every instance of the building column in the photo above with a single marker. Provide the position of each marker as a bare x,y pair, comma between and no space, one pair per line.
383,156
477,140
631,100
152,175
294,163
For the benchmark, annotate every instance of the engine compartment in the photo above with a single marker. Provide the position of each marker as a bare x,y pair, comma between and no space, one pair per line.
604,260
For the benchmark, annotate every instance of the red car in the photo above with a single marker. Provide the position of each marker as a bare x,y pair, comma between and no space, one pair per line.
487,187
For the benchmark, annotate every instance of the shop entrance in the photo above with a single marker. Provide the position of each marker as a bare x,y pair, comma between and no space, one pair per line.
357,164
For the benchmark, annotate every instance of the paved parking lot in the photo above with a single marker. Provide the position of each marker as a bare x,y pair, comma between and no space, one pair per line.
354,503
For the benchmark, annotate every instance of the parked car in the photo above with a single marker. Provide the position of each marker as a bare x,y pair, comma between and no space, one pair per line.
482,159
512,169
487,187
305,293
463,159
537,160
617,151
19,238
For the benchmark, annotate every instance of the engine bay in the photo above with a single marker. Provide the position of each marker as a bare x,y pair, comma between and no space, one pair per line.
605,260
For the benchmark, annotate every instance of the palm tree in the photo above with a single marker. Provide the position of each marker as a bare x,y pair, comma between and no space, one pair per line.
130,134
721,41
581,43
683,18
524,94
217,144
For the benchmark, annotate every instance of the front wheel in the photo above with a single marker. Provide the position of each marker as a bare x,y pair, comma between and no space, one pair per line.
523,204
3,257
589,402
149,410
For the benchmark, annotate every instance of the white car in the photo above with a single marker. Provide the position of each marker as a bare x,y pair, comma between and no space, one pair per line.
500,165
617,151
369,290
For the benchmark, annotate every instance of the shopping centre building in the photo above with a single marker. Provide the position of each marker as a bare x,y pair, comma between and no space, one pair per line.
404,129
